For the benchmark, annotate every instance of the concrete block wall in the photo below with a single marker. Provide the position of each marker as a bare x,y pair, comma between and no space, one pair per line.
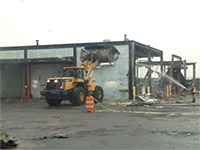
112,78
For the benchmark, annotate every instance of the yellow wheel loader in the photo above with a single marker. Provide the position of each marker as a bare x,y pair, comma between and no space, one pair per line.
75,82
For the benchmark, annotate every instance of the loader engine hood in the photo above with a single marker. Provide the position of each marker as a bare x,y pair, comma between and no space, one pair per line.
61,83
104,54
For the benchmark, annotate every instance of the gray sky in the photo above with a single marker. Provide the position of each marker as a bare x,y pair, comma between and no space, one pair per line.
169,25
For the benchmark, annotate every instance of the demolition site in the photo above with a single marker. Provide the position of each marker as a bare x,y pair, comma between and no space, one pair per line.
101,95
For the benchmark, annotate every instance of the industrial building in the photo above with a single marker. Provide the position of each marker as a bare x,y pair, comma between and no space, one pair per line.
24,69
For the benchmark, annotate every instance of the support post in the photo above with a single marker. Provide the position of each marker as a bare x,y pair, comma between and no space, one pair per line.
167,90
24,94
149,72
185,69
75,57
164,69
179,80
134,80
170,90
161,70
28,82
194,73
171,75
171,71
131,73
148,91
134,94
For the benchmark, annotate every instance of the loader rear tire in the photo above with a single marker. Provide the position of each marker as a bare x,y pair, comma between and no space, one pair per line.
78,96
53,102
98,94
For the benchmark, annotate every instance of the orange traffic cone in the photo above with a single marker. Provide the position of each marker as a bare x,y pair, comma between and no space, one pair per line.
89,104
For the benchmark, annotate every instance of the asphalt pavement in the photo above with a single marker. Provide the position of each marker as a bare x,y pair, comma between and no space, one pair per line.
35,125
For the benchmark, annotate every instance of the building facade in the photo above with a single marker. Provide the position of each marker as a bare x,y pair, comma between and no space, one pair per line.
27,67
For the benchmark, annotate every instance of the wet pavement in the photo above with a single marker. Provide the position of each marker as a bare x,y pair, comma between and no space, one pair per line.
35,125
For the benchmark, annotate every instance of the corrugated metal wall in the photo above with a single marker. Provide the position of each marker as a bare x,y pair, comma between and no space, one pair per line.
11,80
39,74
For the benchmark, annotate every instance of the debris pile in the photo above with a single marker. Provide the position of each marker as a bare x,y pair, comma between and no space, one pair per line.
147,100
118,102
60,136
6,141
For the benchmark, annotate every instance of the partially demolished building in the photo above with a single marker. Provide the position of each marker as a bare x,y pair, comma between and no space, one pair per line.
25,68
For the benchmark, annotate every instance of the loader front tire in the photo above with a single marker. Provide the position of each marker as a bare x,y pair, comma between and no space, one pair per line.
78,96
53,101
98,94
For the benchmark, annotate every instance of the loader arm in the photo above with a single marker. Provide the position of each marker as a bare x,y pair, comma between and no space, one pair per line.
91,67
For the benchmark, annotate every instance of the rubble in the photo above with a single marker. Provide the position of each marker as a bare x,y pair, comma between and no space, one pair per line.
59,136
6,140
119,102
147,100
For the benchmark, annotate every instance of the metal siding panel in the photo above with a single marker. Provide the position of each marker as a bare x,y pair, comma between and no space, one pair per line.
39,74
49,53
19,54
11,80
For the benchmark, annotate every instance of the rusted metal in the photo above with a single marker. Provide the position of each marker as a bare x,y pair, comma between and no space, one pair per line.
28,82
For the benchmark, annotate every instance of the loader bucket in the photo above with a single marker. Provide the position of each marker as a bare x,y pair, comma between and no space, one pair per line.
101,53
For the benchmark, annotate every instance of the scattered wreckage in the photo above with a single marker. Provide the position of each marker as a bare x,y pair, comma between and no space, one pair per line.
6,140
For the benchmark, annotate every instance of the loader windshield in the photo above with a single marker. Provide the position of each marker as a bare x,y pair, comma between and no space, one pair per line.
73,72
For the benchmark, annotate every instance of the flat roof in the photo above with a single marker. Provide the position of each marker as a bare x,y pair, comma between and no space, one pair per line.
142,50
78,45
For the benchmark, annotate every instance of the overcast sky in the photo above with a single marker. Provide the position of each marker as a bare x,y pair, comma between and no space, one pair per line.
172,26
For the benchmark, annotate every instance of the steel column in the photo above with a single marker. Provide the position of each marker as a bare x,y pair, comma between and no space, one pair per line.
185,69
194,73
131,73
149,72
161,70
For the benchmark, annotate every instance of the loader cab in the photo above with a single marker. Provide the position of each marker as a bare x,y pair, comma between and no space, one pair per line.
73,72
